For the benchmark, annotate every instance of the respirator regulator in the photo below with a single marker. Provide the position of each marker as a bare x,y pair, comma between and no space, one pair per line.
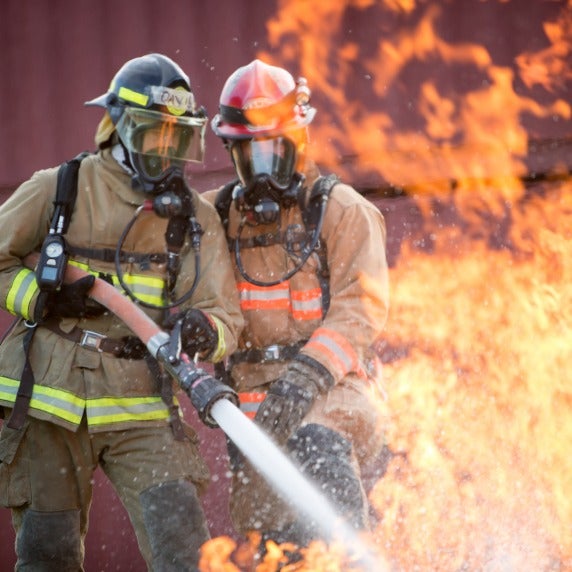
261,200
268,181
173,199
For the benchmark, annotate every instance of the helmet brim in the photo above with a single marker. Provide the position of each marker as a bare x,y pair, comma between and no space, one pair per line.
100,101
226,130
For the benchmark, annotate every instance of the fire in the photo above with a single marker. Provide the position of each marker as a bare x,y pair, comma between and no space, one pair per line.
550,67
481,473
223,554
443,129
479,338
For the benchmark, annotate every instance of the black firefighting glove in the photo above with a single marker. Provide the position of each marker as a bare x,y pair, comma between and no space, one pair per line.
291,397
72,301
199,334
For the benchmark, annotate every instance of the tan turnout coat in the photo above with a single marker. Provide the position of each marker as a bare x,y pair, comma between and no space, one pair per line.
71,380
354,234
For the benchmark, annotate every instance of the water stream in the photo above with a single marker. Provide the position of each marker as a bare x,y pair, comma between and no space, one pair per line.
289,482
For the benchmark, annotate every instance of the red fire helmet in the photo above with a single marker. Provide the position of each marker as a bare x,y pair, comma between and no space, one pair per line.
260,100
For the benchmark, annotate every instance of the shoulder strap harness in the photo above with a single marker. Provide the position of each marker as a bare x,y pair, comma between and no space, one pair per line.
312,211
66,193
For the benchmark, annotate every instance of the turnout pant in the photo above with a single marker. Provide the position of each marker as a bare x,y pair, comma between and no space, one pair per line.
46,476
339,435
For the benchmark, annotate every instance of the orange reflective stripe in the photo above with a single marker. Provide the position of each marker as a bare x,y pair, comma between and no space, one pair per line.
337,350
264,297
307,304
250,402
303,304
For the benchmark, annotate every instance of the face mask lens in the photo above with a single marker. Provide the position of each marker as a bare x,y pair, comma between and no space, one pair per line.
272,157
153,166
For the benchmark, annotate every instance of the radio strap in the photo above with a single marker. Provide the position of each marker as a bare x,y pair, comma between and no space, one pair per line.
66,194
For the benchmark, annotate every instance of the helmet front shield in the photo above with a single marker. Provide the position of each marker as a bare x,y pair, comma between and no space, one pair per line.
157,141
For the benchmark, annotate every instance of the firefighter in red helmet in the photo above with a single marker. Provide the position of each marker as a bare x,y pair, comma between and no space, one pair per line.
97,398
306,251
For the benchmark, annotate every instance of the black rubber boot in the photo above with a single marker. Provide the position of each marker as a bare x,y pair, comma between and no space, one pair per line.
175,524
49,542
326,458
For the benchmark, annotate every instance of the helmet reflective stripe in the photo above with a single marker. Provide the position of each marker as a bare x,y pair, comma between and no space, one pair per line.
132,96
100,411
106,410
177,101
146,288
21,292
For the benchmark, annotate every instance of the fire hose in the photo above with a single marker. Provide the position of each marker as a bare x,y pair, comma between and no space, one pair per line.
269,460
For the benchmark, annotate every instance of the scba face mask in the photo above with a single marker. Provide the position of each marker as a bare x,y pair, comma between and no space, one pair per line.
157,143
266,169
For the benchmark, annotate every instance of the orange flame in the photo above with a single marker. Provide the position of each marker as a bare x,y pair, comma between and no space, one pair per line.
479,338
481,425
550,67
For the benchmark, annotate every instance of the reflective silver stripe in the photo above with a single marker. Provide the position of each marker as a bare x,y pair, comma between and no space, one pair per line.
335,350
250,402
21,293
264,294
307,305
249,407
62,404
107,410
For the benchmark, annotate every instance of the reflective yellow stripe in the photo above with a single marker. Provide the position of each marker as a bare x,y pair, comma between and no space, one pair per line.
8,389
100,411
130,95
148,289
106,410
81,265
145,288
22,290
60,403
221,346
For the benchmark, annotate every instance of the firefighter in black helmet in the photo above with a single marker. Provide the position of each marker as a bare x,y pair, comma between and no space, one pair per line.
97,396
152,95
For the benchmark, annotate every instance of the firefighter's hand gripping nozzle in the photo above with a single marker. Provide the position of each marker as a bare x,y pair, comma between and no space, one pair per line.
203,389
